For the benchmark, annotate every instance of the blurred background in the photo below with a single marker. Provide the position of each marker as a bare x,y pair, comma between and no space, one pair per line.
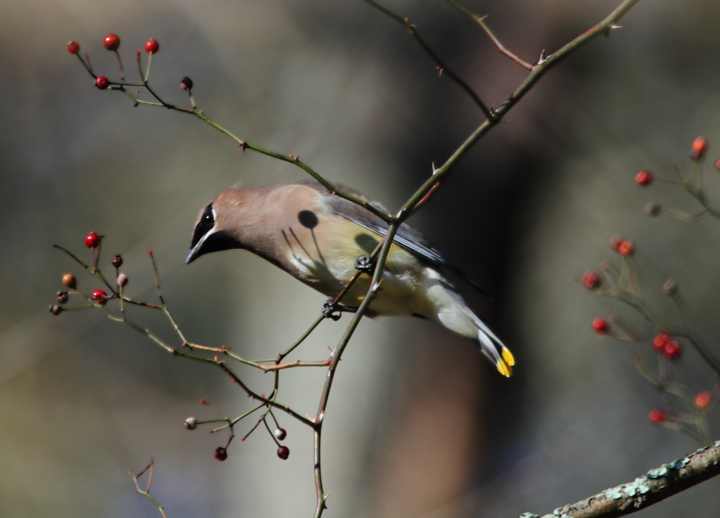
419,425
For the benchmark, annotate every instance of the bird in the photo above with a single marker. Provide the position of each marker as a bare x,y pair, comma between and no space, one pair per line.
317,236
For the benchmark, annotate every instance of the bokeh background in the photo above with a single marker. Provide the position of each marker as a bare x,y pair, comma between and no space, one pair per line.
419,425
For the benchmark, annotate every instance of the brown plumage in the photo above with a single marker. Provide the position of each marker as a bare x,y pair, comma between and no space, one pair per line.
316,237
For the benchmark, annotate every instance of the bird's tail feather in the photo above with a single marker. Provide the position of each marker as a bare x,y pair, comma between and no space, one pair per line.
493,348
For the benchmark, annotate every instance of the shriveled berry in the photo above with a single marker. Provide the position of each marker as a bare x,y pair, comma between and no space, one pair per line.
644,178
672,350
68,279
100,297
102,82
186,83
62,297
703,399
600,326
220,453
591,280
699,147
653,209
73,47
55,309
626,248
116,261
283,452
670,287
122,280
191,423
152,46
111,42
660,341
92,240
657,416
280,434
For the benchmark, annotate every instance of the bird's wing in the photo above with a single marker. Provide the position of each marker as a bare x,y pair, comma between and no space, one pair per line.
406,236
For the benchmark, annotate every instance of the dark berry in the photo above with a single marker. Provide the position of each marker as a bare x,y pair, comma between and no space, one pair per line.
62,297
600,326
102,82
73,47
591,280
280,434
111,42
220,453
116,261
55,309
100,297
92,240
68,279
657,416
186,83
644,178
152,46
283,452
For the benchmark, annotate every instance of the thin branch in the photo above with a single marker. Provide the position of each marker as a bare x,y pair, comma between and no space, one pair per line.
438,62
657,485
481,21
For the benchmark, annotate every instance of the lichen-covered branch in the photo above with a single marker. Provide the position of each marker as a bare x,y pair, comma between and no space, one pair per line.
653,487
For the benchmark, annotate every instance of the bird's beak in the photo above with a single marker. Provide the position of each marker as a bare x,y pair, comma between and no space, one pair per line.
215,241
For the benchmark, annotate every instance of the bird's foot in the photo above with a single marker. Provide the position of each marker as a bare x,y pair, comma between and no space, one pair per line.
335,310
364,265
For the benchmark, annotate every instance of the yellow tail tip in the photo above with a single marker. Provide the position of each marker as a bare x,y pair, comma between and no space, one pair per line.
503,368
508,356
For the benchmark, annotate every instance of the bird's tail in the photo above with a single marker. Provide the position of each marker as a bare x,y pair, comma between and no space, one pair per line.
493,348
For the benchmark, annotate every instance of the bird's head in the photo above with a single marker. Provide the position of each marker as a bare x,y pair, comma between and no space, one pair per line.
217,227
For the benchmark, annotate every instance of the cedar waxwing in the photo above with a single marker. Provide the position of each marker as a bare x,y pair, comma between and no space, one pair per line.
316,237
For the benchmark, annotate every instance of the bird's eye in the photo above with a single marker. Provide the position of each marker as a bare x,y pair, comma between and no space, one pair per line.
208,218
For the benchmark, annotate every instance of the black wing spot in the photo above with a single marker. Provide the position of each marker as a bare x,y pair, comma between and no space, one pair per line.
308,219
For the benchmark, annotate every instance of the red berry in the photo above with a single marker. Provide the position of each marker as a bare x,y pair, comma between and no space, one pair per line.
591,280
660,341
152,46
102,82
100,297
68,279
600,326
615,242
73,47
644,178
717,164
657,416
283,452
703,399
626,248
221,453
280,434
111,42
672,349
699,147
92,240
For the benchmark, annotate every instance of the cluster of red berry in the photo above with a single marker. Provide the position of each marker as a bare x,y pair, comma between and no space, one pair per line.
112,43
698,150
92,241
